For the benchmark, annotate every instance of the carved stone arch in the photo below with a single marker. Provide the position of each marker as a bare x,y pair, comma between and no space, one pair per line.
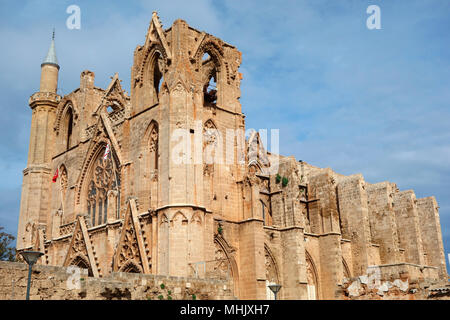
196,218
63,106
149,165
155,54
131,267
131,248
92,155
81,261
256,165
65,126
163,219
211,72
210,132
225,253
99,176
254,168
312,278
177,85
213,48
81,246
178,215
151,138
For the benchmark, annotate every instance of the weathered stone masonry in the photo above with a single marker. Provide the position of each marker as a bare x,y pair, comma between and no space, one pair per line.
139,211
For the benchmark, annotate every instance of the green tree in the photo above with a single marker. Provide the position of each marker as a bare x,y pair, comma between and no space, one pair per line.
7,253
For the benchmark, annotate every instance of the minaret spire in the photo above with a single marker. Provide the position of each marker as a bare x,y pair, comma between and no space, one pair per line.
51,55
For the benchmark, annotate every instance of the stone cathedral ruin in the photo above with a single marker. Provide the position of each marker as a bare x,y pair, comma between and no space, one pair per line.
133,209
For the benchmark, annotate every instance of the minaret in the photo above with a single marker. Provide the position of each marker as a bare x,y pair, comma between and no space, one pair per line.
37,176
50,69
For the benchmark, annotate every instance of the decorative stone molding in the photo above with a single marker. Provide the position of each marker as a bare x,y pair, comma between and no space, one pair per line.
48,98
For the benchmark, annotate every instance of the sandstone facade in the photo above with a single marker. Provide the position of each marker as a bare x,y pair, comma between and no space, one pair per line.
168,201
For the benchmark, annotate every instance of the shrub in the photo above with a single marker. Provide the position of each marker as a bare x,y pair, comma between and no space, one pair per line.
278,178
285,181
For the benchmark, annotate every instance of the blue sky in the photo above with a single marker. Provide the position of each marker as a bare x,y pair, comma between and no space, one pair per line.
374,102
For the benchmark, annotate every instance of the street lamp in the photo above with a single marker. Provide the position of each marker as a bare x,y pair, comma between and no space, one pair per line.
275,288
31,258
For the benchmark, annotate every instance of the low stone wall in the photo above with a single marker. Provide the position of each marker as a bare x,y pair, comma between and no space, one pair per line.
71,283
402,281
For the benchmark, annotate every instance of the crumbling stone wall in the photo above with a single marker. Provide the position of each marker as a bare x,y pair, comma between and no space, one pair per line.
60,283
402,281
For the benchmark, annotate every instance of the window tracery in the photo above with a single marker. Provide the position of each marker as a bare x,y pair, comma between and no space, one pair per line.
104,177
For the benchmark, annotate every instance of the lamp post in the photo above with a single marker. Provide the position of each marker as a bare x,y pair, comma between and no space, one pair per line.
275,288
31,258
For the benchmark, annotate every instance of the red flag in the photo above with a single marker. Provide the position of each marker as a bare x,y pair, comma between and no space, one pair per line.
55,176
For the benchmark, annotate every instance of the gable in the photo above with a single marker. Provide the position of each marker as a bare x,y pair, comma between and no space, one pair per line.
130,249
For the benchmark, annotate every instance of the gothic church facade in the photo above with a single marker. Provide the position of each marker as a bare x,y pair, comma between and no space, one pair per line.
103,190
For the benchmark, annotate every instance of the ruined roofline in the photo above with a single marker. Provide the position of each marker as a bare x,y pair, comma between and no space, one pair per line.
169,29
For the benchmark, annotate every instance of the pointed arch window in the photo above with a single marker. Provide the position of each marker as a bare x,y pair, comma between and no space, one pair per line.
157,75
69,128
104,177
209,70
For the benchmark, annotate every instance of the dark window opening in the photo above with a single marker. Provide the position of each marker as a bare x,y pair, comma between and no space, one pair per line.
157,76
210,78
210,90
69,128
